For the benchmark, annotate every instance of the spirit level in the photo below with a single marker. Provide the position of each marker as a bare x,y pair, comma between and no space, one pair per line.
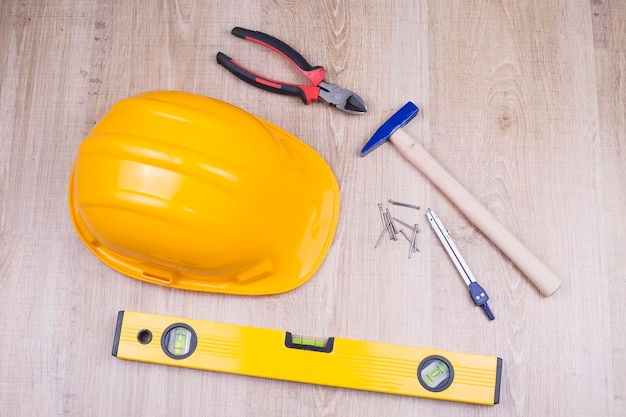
337,362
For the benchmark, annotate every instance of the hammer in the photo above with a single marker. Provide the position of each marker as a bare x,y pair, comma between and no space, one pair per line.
539,274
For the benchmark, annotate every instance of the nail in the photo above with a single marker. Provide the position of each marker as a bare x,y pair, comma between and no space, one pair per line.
405,224
397,203
394,229
382,216
413,243
405,235
380,238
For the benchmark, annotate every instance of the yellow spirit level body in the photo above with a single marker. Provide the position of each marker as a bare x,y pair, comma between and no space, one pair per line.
338,362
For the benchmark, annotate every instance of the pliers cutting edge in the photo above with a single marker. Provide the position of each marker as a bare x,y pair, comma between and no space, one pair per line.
332,94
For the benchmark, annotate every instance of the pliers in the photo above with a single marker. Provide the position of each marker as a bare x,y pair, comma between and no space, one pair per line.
332,94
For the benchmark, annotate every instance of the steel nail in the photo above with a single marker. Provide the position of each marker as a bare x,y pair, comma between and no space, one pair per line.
380,238
393,225
397,203
405,224
414,242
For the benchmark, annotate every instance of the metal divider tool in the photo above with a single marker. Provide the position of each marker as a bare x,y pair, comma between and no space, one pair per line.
479,295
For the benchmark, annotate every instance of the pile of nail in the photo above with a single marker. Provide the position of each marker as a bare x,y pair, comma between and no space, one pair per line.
391,223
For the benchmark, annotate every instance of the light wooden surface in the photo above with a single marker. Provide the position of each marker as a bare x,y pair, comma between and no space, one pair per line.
522,101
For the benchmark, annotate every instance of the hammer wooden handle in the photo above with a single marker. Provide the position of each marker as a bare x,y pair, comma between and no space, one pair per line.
538,273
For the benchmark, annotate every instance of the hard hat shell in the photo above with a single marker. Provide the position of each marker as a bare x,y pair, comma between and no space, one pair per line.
194,193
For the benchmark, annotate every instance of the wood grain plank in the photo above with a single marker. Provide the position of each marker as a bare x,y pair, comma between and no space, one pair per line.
523,101
42,89
609,26
611,164
514,86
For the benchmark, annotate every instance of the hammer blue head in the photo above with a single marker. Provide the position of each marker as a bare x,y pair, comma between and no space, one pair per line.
395,122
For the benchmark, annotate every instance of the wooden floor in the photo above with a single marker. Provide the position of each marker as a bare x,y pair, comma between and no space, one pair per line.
524,102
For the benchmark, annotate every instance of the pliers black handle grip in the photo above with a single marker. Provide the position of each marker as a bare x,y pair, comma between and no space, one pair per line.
315,74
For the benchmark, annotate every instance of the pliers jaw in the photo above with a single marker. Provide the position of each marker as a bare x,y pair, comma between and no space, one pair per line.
344,100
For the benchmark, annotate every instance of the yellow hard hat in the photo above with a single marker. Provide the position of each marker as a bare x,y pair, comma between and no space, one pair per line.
194,193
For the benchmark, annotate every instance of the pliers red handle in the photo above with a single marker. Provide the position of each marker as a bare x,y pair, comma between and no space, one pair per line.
341,98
